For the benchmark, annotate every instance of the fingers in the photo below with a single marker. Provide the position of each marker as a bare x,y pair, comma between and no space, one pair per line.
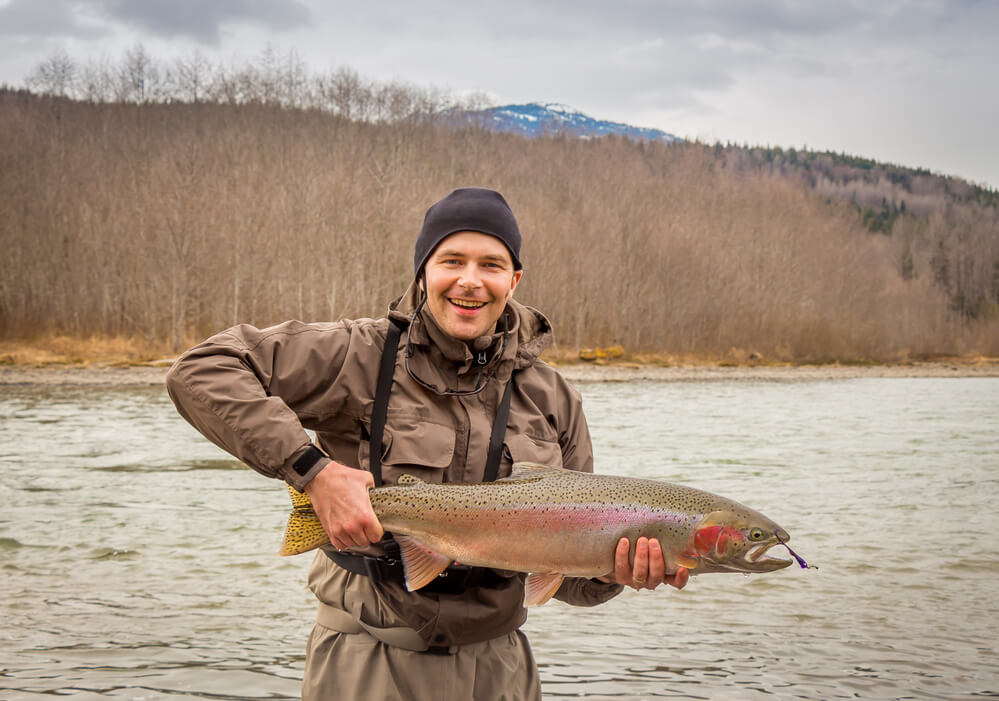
678,580
640,570
657,565
354,533
352,526
373,532
622,563
339,495
648,570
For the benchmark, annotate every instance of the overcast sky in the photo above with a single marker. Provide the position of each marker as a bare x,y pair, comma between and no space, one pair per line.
907,81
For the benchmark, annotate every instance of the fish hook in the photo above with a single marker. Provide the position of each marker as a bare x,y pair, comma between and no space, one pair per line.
804,565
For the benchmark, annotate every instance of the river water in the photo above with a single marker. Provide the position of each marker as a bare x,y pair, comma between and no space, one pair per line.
138,561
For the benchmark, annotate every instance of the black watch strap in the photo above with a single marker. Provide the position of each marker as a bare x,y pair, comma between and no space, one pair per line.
308,460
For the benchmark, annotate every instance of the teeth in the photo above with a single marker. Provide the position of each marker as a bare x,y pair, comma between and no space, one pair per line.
466,304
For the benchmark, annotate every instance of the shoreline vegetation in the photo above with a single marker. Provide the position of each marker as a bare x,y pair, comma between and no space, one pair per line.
110,376
147,207
114,363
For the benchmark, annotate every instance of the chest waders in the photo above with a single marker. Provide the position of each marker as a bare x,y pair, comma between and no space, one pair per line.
457,578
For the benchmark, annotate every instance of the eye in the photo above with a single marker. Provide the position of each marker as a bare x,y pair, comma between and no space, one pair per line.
757,534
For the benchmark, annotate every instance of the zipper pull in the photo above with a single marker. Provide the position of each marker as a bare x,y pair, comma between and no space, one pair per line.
482,359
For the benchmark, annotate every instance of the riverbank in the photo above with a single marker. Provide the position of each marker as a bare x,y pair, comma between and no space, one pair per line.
153,374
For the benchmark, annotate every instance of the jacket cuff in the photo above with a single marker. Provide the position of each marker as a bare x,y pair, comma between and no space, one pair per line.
303,465
580,591
601,592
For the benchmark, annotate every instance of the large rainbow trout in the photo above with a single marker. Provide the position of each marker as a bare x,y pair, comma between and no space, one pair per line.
554,523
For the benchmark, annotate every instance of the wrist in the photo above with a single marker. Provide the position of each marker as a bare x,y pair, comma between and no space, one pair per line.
307,460
305,467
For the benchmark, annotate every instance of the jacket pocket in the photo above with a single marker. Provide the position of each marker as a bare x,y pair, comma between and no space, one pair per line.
412,446
523,447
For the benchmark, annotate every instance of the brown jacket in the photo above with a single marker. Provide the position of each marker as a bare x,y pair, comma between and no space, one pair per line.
254,391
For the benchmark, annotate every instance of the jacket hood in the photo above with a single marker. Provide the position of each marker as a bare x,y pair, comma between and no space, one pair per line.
529,327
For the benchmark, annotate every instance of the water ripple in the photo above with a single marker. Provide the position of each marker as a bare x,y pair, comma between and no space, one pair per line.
138,560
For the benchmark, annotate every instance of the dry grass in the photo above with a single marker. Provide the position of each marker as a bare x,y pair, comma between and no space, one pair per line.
97,352
90,351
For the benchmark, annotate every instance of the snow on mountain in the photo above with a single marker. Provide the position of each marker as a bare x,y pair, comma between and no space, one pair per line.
547,118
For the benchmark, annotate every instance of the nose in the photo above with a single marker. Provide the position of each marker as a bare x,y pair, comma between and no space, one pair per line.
469,278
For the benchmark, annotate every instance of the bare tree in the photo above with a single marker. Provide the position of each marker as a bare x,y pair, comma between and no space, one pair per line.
138,76
172,226
97,82
56,75
191,77
345,93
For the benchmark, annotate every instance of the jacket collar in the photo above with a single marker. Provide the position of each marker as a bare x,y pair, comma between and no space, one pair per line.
530,333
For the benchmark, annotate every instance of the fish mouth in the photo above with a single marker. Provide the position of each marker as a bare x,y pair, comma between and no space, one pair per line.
756,559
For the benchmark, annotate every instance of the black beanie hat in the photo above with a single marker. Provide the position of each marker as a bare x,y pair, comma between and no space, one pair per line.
468,209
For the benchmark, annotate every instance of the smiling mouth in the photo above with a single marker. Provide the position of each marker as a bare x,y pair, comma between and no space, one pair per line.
466,304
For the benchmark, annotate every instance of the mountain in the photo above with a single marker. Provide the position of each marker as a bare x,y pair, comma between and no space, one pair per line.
547,118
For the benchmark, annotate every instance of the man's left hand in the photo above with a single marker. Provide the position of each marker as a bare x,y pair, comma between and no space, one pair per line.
649,569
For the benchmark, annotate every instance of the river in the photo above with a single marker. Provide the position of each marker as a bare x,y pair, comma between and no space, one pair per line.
138,561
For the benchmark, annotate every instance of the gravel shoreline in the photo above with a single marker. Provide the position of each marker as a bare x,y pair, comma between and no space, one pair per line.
149,376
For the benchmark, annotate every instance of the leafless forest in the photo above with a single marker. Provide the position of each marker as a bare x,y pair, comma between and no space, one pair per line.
169,209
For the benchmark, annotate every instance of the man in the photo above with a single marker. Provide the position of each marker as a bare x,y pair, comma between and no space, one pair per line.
449,388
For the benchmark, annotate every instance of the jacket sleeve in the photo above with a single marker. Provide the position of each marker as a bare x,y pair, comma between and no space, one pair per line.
577,454
574,433
252,392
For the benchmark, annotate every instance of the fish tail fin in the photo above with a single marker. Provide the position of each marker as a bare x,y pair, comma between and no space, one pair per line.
299,500
304,531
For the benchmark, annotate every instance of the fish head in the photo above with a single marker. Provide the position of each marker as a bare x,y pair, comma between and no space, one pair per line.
735,541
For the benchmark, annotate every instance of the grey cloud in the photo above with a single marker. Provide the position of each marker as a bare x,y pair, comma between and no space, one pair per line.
202,20
198,19
771,23
29,18
680,18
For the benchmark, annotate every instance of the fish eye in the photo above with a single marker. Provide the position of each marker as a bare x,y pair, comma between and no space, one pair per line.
756,534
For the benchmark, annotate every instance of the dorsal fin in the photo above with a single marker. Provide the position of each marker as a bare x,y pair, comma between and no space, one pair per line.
406,480
528,470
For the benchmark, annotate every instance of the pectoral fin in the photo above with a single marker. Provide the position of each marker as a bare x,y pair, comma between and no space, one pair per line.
540,587
687,561
420,563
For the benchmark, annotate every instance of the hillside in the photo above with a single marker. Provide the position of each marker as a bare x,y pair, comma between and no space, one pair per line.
552,119
941,224
169,221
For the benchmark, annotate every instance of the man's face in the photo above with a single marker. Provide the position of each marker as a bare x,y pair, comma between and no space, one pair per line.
469,279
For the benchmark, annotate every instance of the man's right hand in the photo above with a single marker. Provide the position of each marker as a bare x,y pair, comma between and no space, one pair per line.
339,496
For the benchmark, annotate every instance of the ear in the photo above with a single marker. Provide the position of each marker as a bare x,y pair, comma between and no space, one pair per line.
514,281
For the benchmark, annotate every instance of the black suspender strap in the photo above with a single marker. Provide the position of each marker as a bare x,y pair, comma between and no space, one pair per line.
380,410
380,569
499,431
